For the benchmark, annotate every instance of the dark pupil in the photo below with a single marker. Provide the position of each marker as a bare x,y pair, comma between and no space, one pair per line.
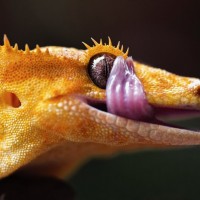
99,68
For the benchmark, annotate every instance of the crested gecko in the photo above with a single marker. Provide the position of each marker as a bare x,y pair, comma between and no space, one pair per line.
60,106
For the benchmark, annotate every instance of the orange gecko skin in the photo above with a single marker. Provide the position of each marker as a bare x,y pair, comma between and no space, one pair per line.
45,127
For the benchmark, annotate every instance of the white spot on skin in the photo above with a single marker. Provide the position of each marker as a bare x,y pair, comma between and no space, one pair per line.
66,107
195,83
58,111
60,104
50,108
71,113
73,108
94,93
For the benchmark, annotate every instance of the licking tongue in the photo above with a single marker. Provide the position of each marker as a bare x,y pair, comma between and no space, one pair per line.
125,96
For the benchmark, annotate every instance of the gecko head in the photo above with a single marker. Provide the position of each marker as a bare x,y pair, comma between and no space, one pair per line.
99,95
95,95
118,101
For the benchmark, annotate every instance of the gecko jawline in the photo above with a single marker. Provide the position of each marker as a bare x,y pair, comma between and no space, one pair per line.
162,115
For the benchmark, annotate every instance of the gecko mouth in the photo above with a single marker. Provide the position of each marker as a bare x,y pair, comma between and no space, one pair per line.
162,115
125,97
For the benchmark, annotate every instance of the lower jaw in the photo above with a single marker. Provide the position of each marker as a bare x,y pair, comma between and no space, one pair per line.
171,117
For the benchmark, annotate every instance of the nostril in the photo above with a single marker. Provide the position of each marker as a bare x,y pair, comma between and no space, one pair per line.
11,99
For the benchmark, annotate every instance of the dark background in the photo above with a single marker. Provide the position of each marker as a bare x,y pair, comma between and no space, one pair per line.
163,33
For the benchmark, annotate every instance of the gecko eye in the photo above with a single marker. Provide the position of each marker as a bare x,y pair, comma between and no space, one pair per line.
99,68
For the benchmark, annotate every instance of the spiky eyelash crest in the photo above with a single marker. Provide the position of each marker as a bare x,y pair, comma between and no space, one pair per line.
105,48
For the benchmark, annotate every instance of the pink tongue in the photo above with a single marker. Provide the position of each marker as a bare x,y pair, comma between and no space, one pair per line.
124,92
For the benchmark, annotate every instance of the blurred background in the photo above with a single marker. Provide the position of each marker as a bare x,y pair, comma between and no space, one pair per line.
163,33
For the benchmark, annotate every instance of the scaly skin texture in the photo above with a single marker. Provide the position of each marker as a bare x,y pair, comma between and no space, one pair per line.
45,126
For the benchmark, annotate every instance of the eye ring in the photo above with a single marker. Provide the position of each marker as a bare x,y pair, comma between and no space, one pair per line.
99,68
